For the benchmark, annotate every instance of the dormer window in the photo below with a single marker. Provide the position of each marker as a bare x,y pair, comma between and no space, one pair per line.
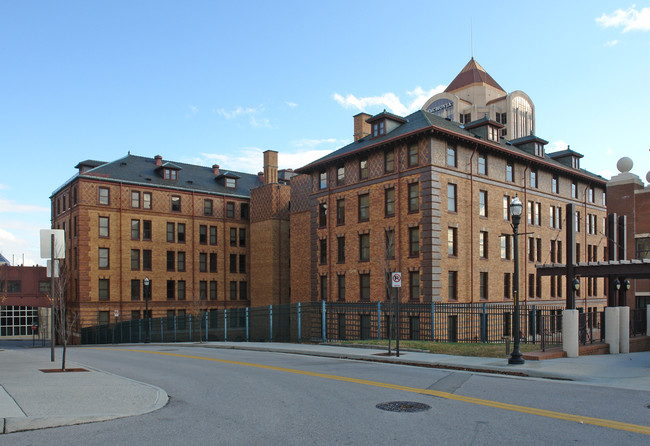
575,162
492,133
231,183
169,174
378,128
539,150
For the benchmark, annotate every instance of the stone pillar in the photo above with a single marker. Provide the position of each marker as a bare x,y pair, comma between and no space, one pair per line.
570,333
612,332
624,329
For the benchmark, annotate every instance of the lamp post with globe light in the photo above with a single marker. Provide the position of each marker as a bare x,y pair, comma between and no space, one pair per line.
147,337
516,208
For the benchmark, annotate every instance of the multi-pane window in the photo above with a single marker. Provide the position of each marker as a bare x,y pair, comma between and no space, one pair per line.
531,249
146,259
364,286
451,198
243,290
340,211
146,200
414,241
538,213
233,290
233,263
414,285
203,234
510,171
389,202
364,207
135,229
103,227
340,175
341,287
104,289
389,161
171,289
243,211
213,262
135,259
180,288
531,212
233,236
242,263
207,207
591,194
538,250
213,290
363,169
203,262
176,203
483,285
574,190
180,260
322,215
242,236
135,289
103,258
231,183
203,290
322,180
451,156
452,241
171,232
170,174
452,285
413,155
506,207
414,197
323,287
482,203
483,244
104,195
533,178
135,199
213,235
506,246
322,249
390,244
364,247
482,164
146,229
506,285
340,249
171,260
180,233
230,209
554,184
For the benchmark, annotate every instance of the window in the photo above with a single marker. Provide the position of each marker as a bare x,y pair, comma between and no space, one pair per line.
135,259
506,207
213,235
233,263
322,215
213,262
378,128
323,287
230,209
231,183
171,260
538,250
322,180
390,244
146,229
604,199
146,200
492,133
135,199
340,211
531,285
171,232
104,195
506,285
180,288
135,229
364,286
207,207
554,184
171,289
243,209
363,169
389,161
180,260
577,224
176,203
181,233
506,247
340,175
414,242
413,156
482,164
452,285
170,174
203,262
414,285
233,290
103,227
483,244
323,251
242,263
531,212
243,290
203,290
103,258
414,197
510,171
341,287
482,203
213,290
364,207
13,286
538,213
242,236
146,259
203,234
531,249
452,241
533,178
364,247
135,289
451,156
104,289
574,190
483,285
591,194
233,236
451,198
389,202
340,248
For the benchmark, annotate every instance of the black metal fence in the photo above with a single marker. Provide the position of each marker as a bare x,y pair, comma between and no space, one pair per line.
638,321
322,321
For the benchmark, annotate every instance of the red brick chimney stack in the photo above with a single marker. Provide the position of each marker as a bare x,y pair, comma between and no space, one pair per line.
158,159
270,167
361,127
215,169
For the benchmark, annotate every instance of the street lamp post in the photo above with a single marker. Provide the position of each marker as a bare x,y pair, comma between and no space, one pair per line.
516,208
147,338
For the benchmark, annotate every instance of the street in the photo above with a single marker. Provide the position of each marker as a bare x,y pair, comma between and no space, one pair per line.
241,397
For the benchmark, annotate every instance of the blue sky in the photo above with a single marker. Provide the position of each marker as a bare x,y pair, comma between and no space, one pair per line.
219,82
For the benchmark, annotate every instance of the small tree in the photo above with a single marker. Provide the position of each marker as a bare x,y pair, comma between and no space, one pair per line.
64,320
386,265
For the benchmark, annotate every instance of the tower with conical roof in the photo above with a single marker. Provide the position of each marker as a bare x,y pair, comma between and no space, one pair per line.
474,94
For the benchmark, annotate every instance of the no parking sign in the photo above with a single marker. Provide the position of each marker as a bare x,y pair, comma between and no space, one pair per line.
396,280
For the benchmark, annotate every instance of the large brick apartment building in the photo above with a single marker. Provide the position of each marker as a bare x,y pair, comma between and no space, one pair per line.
425,194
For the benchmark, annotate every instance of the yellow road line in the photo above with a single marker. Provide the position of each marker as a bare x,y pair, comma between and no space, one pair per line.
450,396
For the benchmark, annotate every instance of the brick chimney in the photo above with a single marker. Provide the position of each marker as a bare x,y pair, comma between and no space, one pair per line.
361,127
260,177
270,167
215,169
158,159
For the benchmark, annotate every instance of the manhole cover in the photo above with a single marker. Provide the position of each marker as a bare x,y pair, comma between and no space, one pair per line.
403,406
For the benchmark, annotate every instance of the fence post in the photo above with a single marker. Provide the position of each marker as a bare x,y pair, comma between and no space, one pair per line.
174,328
378,319
271,323
162,338
149,323
534,323
299,334
323,324
433,322
225,325
247,332
483,325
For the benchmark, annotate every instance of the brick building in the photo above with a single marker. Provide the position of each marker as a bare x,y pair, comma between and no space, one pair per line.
429,197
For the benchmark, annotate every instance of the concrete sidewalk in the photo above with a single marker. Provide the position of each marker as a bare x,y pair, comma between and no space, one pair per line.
31,399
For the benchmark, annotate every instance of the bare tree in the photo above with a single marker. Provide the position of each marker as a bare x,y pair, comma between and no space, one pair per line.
64,319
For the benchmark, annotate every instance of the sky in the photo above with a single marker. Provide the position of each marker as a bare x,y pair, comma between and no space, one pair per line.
208,82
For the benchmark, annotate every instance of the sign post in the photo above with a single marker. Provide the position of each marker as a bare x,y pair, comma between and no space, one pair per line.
396,281
52,246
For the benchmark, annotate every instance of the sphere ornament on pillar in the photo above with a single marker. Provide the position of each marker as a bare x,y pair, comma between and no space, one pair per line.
625,164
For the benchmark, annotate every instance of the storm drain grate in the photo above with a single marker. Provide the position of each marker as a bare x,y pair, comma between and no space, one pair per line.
403,406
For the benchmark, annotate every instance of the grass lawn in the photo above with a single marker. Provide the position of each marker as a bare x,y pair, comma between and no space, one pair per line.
452,348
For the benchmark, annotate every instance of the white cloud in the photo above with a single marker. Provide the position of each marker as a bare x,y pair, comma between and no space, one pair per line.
611,43
556,146
260,122
291,104
389,101
630,19
607,174
193,110
311,143
609,151
7,206
20,244
251,112
300,159
4,186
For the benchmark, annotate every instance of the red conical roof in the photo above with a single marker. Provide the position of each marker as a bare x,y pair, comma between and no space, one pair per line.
473,73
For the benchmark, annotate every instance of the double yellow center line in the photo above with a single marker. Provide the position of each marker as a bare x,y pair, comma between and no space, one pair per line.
450,396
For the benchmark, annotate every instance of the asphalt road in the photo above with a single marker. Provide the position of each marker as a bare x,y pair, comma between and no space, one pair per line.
231,397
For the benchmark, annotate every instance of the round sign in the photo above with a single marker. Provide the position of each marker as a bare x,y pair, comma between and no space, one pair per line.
117,313
396,279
